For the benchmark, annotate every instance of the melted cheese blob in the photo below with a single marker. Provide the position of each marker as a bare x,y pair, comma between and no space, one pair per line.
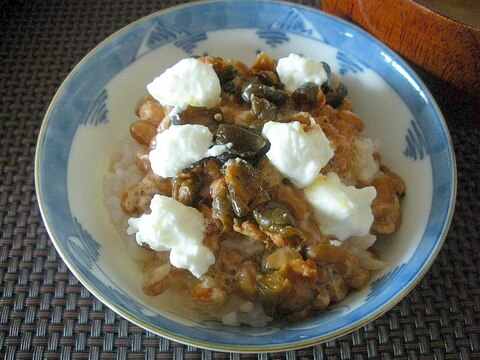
174,227
298,151
188,82
341,211
295,71
180,146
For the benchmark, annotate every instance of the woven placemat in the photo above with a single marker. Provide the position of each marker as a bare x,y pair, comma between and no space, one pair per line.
45,311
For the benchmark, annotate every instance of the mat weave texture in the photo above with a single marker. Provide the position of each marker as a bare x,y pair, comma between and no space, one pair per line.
47,314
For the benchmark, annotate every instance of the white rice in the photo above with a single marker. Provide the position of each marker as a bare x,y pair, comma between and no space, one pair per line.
366,165
123,173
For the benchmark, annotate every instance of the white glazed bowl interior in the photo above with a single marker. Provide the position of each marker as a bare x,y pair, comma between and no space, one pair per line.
93,109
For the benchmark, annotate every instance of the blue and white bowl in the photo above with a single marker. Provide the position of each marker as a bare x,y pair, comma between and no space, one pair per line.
93,109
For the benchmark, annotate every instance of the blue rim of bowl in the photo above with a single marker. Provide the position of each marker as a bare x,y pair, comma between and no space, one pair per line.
178,336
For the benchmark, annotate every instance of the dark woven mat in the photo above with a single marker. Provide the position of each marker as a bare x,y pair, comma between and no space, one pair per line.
46,313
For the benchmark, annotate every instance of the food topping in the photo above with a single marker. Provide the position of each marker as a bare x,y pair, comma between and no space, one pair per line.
295,71
189,82
342,211
298,151
180,146
242,141
172,226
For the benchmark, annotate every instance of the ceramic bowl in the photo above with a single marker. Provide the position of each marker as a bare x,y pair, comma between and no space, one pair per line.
93,109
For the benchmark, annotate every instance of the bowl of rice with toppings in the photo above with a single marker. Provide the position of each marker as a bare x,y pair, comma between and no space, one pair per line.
245,183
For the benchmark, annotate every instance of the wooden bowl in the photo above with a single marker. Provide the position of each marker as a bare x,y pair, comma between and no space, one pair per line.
441,44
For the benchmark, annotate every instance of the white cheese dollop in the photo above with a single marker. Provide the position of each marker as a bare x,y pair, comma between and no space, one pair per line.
295,71
180,146
342,211
189,82
174,227
298,151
